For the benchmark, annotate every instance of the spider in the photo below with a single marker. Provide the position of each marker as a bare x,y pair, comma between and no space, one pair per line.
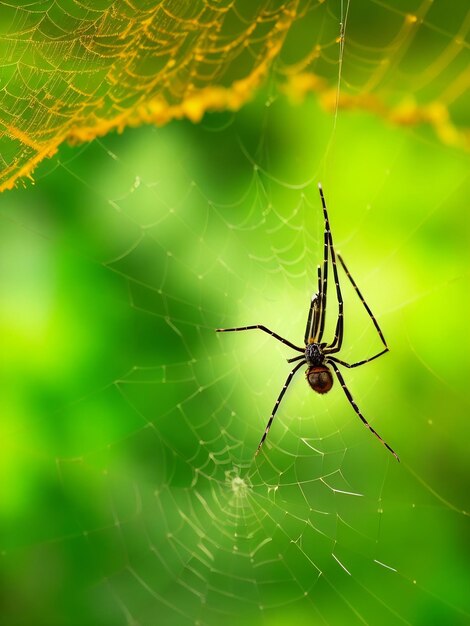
317,354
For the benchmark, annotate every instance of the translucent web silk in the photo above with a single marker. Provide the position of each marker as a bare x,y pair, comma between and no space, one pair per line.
74,71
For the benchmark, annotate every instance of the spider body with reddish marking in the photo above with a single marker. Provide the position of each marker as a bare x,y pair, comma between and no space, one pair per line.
315,354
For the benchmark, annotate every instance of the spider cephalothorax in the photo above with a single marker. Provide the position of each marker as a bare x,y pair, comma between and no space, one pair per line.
318,375
315,354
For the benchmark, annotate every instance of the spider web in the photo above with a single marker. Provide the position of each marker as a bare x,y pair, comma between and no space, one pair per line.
75,70
133,496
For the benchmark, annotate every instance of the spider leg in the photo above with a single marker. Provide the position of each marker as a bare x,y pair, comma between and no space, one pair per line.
332,348
278,401
356,408
376,356
264,329
322,275
338,338
315,312
361,298
296,358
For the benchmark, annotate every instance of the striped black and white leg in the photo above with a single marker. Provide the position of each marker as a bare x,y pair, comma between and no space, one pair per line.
356,408
361,298
376,356
278,401
338,338
265,330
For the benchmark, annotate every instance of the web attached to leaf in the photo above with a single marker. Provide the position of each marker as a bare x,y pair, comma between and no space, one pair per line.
74,71
175,518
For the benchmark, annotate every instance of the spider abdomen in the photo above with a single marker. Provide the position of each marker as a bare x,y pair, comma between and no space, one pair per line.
319,378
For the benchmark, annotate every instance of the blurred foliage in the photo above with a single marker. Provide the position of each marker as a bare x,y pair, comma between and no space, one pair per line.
129,490
129,426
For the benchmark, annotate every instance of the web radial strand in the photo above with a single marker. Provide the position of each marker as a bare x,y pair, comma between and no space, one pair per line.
141,424
169,60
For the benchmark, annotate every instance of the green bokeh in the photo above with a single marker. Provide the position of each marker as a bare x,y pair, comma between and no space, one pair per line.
129,492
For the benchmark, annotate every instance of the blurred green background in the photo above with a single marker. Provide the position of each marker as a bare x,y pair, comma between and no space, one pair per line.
130,493
129,490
